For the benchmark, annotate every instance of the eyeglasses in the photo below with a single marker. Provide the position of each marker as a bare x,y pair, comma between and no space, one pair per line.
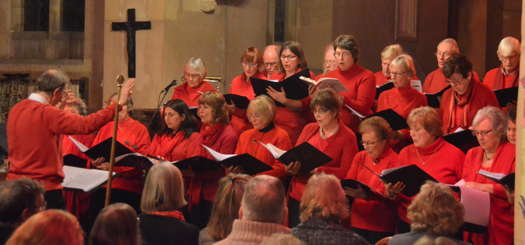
481,132
397,73
443,54
510,57
269,64
249,64
192,75
288,57
342,54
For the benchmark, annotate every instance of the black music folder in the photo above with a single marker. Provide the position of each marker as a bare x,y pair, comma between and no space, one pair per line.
434,100
383,88
249,164
507,180
309,156
411,175
506,95
464,140
239,101
294,87
396,121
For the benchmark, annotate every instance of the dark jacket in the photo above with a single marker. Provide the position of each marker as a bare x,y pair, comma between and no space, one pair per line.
167,230
318,231
412,237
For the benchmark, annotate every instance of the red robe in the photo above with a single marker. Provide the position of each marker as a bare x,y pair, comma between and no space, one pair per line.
361,86
455,115
401,100
189,95
374,215
441,160
68,148
501,221
175,147
278,76
135,136
495,79
436,81
33,134
241,86
380,78
249,143
341,147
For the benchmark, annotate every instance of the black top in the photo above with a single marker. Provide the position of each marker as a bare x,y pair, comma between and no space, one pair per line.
167,230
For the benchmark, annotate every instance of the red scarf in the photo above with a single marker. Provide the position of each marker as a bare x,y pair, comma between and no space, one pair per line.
210,133
172,214
460,100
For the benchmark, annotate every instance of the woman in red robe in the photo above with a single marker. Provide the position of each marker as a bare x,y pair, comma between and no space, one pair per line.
329,135
466,96
194,84
507,75
494,155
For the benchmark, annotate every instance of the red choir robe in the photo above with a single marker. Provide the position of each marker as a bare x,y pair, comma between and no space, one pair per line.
459,111
241,86
436,81
135,136
33,135
501,221
221,138
380,78
374,214
249,142
190,95
341,147
276,76
441,160
69,148
175,147
401,100
496,79
361,86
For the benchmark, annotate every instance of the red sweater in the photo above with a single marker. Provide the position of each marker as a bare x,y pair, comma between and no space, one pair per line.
189,95
501,222
459,111
135,136
495,79
401,100
176,147
341,147
361,93
241,86
373,215
436,81
249,143
380,78
441,160
33,133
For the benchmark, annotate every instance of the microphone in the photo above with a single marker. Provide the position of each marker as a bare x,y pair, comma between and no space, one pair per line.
173,83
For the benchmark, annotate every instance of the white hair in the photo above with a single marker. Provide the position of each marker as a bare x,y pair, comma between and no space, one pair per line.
497,117
196,64
508,45
452,42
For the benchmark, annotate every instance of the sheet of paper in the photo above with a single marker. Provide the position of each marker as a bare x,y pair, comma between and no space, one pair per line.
83,179
79,145
217,155
354,111
476,204
274,150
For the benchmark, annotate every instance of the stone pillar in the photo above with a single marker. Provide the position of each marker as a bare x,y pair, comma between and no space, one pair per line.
519,193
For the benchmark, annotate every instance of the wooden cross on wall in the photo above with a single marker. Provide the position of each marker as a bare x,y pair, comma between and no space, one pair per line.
130,27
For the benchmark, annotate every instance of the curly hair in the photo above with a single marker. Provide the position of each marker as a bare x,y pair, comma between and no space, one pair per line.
323,197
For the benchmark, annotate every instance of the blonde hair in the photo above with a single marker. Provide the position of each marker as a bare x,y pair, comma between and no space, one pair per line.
48,227
429,119
163,189
216,101
435,210
264,105
508,45
323,197
391,51
406,62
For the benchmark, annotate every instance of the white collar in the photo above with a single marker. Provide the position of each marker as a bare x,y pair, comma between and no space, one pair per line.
38,98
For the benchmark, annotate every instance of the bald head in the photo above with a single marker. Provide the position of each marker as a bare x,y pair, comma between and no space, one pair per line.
445,49
330,63
271,59
263,200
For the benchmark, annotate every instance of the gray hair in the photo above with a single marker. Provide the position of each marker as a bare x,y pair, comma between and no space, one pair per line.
163,189
196,64
508,45
391,51
52,79
496,116
407,62
263,199
452,42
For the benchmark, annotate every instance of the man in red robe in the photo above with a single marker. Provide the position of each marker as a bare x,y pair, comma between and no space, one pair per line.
272,63
194,84
507,75
34,128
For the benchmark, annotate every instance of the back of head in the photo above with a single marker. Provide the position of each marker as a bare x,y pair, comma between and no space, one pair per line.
163,189
48,227
323,197
263,200
282,239
19,199
116,224
426,240
51,80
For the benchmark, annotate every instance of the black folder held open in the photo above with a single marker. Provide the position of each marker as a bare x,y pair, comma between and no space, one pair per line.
464,140
411,175
395,120
506,95
506,180
248,163
238,101
294,87
309,156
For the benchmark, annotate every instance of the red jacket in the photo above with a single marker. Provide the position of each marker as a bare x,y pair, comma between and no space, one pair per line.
189,95
401,100
176,147
495,79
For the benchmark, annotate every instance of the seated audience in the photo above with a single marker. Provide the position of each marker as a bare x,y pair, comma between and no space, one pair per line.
48,227
19,200
323,207
434,212
262,212
507,75
116,224
494,155
161,221
282,239
225,208
194,84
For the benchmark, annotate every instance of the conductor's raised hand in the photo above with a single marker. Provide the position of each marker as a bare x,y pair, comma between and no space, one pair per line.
127,90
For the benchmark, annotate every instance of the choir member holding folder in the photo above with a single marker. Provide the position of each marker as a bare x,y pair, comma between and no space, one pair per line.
194,84
430,152
261,112
330,136
372,213
497,156
507,75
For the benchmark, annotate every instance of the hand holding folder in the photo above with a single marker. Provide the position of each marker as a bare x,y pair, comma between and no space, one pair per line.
507,180
411,175
294,87
309,156
248,163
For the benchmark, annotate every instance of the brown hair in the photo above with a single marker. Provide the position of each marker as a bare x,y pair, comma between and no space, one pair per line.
378,125
48,227
429,119
457,64
216,101
116,224
295,48
323,197
347,42
226,205
327,99
252,55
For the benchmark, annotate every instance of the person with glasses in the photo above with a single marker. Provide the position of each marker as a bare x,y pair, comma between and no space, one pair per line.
387,55
507,75
430,152
495,155
329,135
194,84
372,215
329,62
467,95
272,63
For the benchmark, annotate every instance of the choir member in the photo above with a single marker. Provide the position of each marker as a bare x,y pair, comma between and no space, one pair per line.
436,80
511,126
435,212
323,208
372,215
497,156
329,62
329,135
194,84
225,208
116,224
162,221
359,81
34,127
430,152
219,135
261,113
272,63
292,61
466,96
251,61
507,75
387,55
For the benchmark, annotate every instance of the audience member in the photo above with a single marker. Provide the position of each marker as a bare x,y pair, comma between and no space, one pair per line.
116,224
282,239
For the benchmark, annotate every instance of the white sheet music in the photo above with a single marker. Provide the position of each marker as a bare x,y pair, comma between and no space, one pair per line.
274,150
416,84
79,145
83,178
354,111
217,155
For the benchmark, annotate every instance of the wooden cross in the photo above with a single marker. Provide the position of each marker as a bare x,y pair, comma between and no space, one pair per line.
130,27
